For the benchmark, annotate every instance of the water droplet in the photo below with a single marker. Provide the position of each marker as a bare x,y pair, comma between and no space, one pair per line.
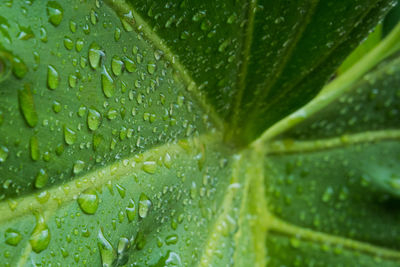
79,165
144,205
171,239
131,210
3,154
19,68
116,65
12,237
55,12
93,17
107,251
130,65
52,77
93,119
167,160
121,190
88,201
151,67
112,113
68,43
95,54
123,247
34,148
40,237
56,106
199,15
41,179
107,83
69,136
149,166
79,45
27,106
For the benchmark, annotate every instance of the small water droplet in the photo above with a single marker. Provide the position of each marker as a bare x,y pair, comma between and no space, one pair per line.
12,237
151,67
79,165
88,201
131,210
34,148
3,154
52,77
144,205
41,179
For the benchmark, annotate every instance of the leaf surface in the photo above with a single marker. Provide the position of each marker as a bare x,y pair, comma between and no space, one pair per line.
120,123
332,180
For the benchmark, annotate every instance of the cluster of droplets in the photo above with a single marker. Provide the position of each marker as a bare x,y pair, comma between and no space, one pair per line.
110,100
82,105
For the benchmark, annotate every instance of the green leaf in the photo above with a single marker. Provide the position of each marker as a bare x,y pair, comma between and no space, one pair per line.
332,181
256,61
125,125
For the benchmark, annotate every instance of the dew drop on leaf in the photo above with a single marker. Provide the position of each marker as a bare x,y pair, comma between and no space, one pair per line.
122,250
149,166
130,65
107,251
107,83
40,237
116,65
131,210
88,201
12,237
41,179
3,154
27,106
34,148
52,77
79,165
93,119
55,12
69,135
95,54
144,205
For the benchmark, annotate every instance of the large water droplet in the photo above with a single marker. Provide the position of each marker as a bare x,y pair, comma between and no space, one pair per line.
52,77
69,136
27,106
40,237
107,83
88,200
93,119
123,247
3,153
95,54
107,251
144,205
41,179
149,166
116,65
55,12
131,210
12,237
